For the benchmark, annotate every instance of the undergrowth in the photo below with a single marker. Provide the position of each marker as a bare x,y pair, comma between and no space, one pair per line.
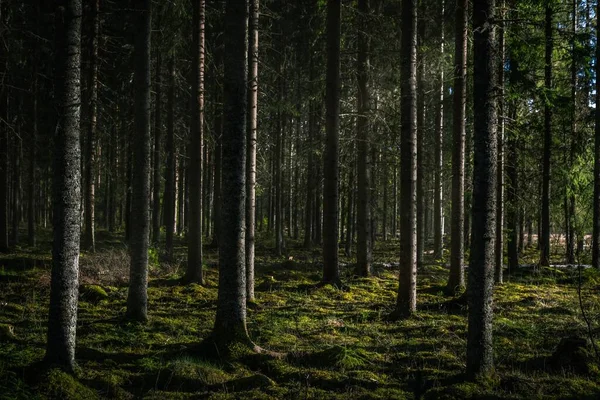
338,343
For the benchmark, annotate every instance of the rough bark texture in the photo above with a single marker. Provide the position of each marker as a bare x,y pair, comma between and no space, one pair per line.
481,266
156,186
499,252
456,280
170,189
3,153
545,223
407,289
596,221
512,206
421,227
137,299
230,322
363,198
438,208
251,150
64,286
331,273
194,261
89,236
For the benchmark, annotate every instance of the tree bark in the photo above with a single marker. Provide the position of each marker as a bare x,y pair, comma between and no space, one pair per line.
251,150
331,273
499,251
421,207
230,322
481,266
456,280
407,289
194,264
545,223
170,183
596,205
137,299
89,238
157,144
438,215
64,285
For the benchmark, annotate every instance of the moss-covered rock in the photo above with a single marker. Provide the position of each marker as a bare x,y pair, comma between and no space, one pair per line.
93,293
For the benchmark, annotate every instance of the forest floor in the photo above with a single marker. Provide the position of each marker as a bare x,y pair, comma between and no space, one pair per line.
339,344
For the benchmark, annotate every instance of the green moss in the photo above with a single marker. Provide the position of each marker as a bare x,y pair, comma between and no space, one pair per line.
92,293
60,385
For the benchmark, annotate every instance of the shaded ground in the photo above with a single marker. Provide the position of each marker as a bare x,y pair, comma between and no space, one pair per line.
339,343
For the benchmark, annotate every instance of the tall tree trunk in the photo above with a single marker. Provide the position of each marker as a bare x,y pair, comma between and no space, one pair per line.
421,207
157,162
230,322
64,285
137,298
438,208
570,198
499,250
251,150
310,170
89,237
16,187
545,223
331,273
349,210
219,121
456,280
512,201
481,265
31,184
278,163
194,265
407,288
170,167
596,205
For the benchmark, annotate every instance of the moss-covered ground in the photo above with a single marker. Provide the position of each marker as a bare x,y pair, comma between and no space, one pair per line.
339,343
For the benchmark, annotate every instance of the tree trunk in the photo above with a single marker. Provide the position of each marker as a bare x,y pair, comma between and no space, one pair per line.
407,289
421,207
137,299
331,273
230,322
310,170
438,215
499,250
251,150
64,285
157,142
194,260
170,190
596,205
512,201
570,198
545,226
456,280
481,266
89,238
349,210
31,184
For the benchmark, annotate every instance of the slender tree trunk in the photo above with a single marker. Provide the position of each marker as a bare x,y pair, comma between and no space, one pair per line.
570,198
407,289
31,184
194,265
278,161
596,204
438,208
499,250
349,209
251,149
230,322
331,273
64,285
137,299
512,206
16,187
310,170
170,190
481,267
421,207
219,121
456,280
89,237
157,162
3,153
545,226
